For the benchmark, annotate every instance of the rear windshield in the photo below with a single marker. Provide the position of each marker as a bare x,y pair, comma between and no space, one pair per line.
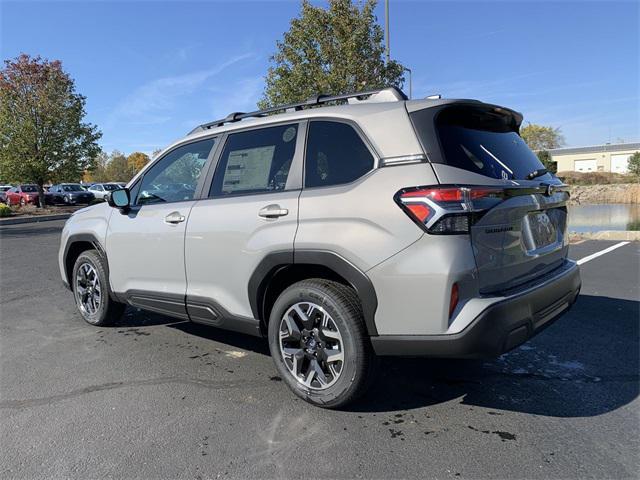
482,141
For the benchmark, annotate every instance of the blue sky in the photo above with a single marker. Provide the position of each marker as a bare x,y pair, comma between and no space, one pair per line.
152,70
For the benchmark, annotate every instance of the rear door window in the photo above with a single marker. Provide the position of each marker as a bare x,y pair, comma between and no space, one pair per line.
255,161
481,141
335,155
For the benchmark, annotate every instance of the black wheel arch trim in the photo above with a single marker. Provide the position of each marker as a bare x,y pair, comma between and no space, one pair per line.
81,238
275,261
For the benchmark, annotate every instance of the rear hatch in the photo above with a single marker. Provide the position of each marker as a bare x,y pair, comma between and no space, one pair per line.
518,228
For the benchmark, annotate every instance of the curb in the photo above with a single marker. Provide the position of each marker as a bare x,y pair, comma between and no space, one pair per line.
624,235
34,219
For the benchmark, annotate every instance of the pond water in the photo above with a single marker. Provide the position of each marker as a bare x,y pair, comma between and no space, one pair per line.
593,218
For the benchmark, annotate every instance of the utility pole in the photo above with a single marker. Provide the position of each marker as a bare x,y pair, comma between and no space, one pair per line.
386,29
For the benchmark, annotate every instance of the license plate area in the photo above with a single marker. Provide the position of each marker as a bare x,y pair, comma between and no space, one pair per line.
539,232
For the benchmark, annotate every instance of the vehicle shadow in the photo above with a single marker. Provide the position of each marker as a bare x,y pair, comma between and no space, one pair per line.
239,340
584,365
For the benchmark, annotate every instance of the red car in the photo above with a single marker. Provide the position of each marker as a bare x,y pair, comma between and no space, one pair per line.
22,194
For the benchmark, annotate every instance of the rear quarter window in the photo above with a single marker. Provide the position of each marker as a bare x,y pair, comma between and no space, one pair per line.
335,155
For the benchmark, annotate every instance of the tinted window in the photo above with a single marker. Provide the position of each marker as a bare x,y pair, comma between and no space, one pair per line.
480,140
72,188
110,187
335,154
175,176
255,161
29,188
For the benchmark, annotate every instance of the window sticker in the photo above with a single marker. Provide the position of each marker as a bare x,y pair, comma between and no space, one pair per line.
248,169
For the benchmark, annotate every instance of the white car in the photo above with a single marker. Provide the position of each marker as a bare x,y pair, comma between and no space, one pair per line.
100,190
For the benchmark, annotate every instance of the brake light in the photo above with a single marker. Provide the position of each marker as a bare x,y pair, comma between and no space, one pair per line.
447,210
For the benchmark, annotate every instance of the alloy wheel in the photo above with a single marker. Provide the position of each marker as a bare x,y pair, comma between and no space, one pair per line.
88,290
311,345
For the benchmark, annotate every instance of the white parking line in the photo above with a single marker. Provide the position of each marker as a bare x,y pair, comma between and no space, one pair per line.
601,252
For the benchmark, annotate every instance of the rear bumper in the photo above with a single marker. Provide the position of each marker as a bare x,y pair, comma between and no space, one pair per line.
499,328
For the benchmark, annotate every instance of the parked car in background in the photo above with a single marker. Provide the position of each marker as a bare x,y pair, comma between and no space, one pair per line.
3,192
68,194
22,195
100,190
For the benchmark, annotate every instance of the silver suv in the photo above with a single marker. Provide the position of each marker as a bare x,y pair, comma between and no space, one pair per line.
374,225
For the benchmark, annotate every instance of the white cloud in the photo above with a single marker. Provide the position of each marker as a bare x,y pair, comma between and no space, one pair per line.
151,103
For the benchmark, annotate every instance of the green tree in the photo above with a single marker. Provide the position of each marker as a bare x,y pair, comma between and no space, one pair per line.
43,137
98,170
634,164
117,168
334,50
541,139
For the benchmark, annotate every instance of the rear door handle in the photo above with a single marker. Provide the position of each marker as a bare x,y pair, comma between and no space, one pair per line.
273,211
175,218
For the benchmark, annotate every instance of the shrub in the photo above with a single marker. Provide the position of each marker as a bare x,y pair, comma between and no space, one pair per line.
634,164
596,178
5,210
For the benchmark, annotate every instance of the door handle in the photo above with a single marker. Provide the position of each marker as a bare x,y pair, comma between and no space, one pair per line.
175,218
273,211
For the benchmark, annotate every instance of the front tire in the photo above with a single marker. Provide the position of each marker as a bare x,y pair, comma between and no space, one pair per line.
319,343
91,290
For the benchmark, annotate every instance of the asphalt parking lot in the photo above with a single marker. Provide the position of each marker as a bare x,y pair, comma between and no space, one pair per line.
156,398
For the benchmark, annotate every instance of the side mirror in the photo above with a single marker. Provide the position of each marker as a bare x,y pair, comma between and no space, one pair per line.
119,199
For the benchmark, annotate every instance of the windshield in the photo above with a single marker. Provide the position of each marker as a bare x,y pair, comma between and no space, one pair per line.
29,188
110,187
483,141
72,188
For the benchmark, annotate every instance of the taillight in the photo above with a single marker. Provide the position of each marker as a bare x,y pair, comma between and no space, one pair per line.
447,210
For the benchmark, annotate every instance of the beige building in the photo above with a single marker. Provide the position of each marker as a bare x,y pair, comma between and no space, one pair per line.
597,158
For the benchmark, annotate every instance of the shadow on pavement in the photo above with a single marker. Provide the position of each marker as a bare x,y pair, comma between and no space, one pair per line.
239,340
585,364
30,230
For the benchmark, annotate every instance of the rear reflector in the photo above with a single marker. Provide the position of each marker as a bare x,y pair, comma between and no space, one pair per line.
447,210
453,302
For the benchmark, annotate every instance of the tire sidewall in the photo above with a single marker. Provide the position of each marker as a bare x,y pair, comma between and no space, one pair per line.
351,348
96,262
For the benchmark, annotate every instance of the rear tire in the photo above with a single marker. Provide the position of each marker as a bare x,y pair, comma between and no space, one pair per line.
90,284
319,343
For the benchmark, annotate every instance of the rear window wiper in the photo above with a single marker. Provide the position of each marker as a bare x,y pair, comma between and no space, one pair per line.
536,173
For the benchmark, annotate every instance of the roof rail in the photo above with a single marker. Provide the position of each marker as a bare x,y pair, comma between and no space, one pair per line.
380,95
